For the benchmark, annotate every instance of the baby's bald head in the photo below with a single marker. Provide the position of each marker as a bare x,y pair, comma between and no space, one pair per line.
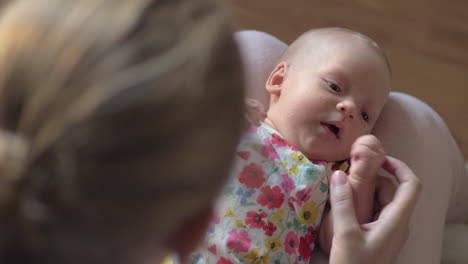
314,40
328,76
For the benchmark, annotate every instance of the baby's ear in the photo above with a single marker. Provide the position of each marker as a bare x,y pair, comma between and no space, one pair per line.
276,79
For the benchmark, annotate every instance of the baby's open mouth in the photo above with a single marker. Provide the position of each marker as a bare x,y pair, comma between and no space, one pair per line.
334,129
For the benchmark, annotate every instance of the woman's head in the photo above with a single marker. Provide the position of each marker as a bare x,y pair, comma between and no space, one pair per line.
112,115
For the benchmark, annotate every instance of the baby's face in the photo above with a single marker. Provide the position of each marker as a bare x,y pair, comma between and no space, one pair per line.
329,98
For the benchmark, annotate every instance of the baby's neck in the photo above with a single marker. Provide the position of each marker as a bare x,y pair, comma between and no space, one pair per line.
270,123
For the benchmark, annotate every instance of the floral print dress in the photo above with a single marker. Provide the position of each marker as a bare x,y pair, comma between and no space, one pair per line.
271,209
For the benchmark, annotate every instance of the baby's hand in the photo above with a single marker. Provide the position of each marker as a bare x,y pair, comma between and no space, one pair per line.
367,157
255,111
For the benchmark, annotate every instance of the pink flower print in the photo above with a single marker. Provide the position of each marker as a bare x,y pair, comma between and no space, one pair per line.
291,243
303,196
335,166
278,141
223,261
305,246
216,219
291,205
268,151
271,197
269,228
281,142
314,232
252,176
212,249
243,154
238,242
255,220
287,183
341,165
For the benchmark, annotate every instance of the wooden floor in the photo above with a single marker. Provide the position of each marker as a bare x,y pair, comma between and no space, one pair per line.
426,42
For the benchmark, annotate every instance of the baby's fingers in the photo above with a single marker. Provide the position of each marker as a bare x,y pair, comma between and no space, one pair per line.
367,156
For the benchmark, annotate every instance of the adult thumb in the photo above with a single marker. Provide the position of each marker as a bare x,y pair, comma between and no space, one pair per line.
342,205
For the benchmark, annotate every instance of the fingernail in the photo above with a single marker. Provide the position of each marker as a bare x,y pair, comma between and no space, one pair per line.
339,178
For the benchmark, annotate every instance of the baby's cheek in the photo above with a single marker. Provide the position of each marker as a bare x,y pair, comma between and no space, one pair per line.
366,130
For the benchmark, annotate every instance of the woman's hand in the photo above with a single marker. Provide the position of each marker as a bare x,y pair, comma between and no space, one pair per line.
381,240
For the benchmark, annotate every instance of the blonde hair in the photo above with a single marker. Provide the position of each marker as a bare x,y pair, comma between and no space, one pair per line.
118,120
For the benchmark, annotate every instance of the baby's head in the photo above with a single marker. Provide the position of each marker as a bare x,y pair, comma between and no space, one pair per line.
111,117
328,89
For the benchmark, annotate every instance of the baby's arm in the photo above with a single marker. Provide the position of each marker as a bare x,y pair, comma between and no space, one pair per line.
367,156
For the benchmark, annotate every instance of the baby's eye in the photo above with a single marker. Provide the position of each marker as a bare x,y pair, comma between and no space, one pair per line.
365,116
334,87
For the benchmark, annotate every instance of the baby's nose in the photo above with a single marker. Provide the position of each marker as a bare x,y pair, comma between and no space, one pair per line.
347,109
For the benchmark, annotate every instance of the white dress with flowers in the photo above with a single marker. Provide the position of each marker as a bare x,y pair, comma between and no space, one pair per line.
271,208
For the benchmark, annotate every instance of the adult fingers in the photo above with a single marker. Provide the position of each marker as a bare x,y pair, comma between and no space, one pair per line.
385,189
407,192
342,206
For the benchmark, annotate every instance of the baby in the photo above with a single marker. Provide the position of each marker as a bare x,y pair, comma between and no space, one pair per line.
325,93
